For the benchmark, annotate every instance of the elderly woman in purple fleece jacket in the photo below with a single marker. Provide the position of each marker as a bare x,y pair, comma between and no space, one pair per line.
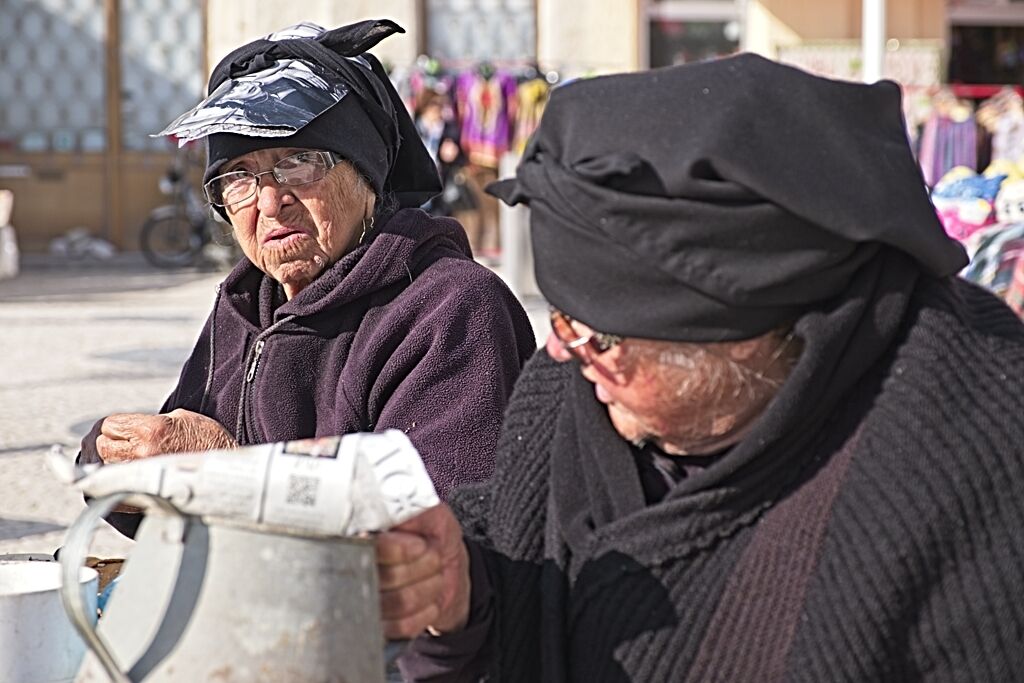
354,310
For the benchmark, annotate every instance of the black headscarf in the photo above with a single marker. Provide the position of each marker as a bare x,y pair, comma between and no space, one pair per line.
370,127
719,200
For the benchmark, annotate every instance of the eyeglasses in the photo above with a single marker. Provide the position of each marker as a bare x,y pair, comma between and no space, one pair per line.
298,169
580,347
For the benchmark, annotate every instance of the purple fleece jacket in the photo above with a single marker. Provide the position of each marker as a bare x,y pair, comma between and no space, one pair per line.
406,332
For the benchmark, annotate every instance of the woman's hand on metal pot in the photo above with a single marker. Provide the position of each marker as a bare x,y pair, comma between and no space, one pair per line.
424,575
130,436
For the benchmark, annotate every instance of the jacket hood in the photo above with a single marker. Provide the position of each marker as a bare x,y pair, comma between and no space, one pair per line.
397,251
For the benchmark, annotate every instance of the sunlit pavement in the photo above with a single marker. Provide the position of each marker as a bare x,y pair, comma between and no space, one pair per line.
80,340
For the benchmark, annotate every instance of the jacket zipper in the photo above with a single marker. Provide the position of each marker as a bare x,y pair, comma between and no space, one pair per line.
245,400
257,350
245,427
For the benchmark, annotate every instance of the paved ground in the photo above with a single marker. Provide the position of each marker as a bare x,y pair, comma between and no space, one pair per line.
79,341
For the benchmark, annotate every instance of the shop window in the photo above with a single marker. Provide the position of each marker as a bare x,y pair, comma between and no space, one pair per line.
987,55
682,42
52,83
687,31
161,73
475,30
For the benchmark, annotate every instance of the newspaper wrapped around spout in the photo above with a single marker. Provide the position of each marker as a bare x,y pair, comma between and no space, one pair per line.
339,486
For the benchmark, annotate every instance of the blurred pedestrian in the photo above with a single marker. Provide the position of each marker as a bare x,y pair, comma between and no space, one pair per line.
439,132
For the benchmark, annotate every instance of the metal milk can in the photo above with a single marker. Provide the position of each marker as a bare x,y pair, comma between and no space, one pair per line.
233,598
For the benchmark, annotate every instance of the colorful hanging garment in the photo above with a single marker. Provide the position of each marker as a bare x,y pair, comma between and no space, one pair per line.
945,144
532,96
487,110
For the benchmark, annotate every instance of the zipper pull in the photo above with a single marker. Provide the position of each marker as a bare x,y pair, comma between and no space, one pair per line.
257,350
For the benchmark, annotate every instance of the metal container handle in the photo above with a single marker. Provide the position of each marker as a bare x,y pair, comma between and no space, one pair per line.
72,557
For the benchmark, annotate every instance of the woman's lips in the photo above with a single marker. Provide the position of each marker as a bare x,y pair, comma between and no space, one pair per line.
282,236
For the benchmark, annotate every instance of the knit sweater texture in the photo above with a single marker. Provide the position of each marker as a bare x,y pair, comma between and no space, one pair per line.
898,434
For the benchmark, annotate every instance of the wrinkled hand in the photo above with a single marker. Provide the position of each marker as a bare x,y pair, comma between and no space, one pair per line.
129,436
424,575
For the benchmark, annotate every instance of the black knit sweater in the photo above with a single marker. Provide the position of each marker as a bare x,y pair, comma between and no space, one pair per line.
884,487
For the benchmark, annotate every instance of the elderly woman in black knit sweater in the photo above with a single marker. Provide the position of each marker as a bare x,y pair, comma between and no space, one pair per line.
773,437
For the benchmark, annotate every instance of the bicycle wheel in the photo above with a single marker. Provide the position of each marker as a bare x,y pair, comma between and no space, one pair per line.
169,240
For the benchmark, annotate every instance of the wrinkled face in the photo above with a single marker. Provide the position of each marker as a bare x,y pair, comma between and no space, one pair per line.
295,232
687,399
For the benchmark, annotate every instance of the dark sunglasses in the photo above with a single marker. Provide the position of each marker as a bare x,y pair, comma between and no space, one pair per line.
580,347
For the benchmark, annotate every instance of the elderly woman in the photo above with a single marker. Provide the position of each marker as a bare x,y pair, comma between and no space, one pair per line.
353,311
773,438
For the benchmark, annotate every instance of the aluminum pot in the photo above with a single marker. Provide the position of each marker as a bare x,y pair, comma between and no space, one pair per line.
234,602
38,643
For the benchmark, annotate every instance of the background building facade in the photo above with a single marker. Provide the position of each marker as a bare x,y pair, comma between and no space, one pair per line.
84,82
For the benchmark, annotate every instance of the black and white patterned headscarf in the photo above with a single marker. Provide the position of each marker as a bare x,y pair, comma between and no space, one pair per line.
311,88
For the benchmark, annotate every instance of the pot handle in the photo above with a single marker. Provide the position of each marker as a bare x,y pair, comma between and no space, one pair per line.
72,557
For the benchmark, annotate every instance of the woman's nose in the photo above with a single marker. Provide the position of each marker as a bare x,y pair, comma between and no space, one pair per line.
271,195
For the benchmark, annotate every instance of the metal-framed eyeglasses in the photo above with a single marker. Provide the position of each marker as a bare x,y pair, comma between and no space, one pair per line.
300,168
580,347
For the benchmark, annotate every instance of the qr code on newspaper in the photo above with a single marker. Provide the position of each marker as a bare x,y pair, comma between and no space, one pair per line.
302,490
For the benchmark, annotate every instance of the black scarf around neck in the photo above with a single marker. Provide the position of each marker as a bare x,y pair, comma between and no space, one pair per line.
596,490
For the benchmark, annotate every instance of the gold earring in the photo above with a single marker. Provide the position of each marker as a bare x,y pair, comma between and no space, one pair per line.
365,228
